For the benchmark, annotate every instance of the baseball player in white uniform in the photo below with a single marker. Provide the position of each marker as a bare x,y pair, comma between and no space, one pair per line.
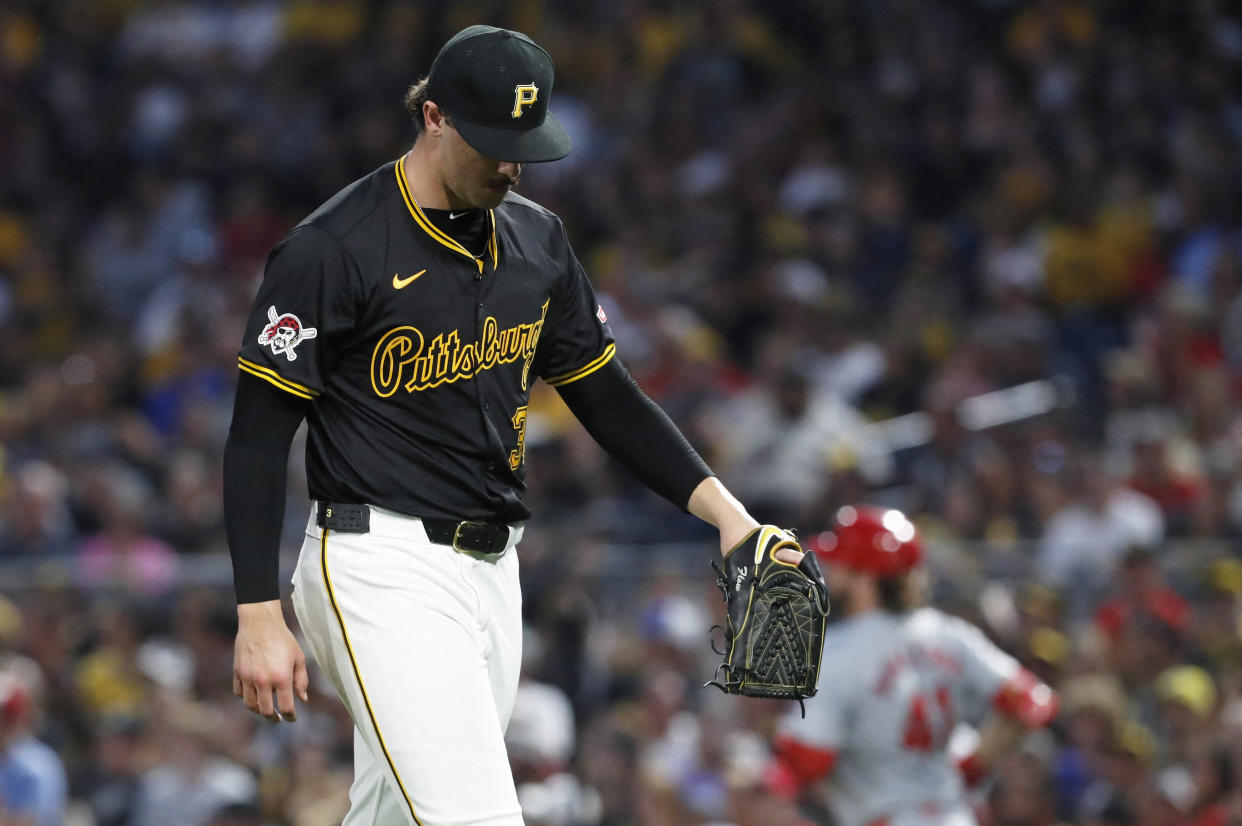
900,679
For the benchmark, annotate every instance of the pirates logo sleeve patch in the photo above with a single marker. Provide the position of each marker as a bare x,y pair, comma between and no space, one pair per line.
284,333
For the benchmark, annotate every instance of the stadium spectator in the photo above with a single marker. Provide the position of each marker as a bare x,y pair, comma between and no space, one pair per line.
38,758
18,784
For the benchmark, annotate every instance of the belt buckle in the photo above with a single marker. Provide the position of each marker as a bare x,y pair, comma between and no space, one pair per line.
457,536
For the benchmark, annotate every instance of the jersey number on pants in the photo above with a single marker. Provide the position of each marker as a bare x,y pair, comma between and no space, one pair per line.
518,455
923,733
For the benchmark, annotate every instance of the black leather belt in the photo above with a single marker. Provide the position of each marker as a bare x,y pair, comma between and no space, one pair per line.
476,537
471,536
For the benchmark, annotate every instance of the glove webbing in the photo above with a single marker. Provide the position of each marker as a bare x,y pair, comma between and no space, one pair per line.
779,625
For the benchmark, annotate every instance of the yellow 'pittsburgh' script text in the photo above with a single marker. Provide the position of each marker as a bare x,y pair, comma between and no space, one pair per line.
402,355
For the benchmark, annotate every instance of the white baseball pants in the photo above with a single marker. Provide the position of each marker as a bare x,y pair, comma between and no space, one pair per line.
424,646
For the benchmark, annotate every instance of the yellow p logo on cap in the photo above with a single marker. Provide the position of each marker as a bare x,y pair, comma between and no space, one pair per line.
524,95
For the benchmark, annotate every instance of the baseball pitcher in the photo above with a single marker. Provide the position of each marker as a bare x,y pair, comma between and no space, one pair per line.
405,320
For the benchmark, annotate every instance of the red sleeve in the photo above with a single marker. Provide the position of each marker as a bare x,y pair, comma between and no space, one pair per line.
807,763
972,770
1027,700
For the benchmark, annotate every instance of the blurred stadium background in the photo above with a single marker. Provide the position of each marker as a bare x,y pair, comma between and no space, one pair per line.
976,259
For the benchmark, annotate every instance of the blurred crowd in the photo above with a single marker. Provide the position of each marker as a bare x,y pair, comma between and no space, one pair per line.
976,259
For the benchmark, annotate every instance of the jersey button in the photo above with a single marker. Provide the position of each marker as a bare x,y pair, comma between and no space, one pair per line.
491,465
487,405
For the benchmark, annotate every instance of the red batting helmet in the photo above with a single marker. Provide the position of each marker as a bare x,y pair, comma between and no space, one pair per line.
881,542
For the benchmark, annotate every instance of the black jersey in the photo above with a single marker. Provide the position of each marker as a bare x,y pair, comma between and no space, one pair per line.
418,355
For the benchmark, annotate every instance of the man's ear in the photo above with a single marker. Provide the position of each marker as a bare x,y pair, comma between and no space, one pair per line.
434,119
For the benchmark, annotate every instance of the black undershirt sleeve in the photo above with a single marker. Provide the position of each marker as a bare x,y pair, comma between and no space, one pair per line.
634,430
256,458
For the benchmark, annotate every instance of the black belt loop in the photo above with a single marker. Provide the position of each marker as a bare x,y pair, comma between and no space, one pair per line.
344,518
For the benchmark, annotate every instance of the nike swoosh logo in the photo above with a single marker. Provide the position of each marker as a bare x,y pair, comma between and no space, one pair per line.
399,283
453,216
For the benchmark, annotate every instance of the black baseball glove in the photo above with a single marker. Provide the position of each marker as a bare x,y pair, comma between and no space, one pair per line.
777,612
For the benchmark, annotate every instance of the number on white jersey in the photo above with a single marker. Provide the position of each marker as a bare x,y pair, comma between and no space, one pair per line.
923,732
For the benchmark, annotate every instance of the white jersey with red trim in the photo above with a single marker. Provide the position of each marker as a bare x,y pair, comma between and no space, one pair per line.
893,688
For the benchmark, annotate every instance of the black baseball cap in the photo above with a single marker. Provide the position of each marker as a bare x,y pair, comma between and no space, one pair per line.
495,83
